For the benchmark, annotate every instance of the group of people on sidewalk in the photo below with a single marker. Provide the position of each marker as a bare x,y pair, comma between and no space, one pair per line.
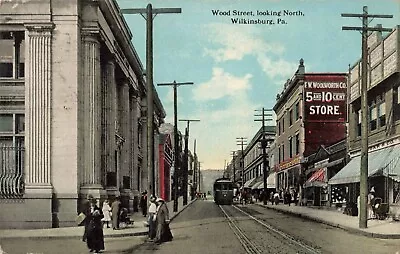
158,221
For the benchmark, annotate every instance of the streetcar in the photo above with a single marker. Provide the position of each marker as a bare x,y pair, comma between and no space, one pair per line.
223,191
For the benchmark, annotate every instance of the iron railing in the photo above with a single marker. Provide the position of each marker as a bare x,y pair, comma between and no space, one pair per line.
11,171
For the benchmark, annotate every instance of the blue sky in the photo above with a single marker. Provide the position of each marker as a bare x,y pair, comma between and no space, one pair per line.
237,68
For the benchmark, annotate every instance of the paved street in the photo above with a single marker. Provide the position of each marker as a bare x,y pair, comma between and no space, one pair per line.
202,227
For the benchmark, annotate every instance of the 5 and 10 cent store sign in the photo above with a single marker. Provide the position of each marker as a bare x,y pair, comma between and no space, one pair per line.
325,99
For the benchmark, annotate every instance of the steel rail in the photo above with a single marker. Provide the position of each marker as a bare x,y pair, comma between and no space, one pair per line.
244,240
281,233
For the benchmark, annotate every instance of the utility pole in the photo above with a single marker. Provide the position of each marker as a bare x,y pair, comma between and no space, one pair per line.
364,104
194,171
176,139
241,141
186,159
200,176
233,153
264,146
149,11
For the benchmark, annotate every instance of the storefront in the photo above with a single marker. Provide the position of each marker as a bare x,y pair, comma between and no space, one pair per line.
383,175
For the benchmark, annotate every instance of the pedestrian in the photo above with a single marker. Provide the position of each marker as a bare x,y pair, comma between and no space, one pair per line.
163,232
115,210
276,198
106,209
143,203
95,236
152,216
271,197
85,209
370,202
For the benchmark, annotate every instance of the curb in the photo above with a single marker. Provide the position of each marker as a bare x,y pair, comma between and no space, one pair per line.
138,233
348,229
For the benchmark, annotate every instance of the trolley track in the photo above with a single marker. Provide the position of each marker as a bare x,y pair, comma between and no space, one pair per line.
257,236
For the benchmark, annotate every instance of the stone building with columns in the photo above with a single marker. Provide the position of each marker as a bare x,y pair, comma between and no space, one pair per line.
72,111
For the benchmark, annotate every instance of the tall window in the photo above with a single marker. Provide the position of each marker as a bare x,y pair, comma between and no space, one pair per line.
297,143
283,152
12,57
290,117
396,103
279,154
12,128
283,124
290,147
359,122
279,128
381,114
297,112
372,117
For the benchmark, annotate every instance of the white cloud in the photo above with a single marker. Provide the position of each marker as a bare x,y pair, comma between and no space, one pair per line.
220,85
236,43
279,68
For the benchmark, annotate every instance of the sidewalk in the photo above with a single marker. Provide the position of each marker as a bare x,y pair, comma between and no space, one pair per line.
138,228
386,229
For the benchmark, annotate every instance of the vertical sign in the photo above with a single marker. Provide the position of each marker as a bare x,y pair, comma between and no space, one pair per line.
325,98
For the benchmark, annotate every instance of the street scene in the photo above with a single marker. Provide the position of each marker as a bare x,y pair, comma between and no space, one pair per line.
200,126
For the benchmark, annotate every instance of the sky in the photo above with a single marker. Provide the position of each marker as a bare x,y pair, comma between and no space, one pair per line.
239,68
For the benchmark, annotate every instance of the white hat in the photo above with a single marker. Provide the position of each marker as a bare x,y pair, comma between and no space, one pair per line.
159,200
372,189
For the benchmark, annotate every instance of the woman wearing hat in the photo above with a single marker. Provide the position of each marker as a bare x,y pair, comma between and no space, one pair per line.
95,236
163,232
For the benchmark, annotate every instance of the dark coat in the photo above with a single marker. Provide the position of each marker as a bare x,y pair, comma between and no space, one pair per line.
95,236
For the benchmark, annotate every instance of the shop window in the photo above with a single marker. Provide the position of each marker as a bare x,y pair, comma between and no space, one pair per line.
12,58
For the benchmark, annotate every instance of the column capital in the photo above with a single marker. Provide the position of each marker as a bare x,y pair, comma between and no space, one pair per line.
40,29
91,34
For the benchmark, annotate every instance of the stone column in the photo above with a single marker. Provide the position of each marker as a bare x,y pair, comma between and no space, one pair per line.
38,109
135,118
91,172
109,147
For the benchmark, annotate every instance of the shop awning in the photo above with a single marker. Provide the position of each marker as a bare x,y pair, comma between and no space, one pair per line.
249,183
270,182
383,162
258,185
317,179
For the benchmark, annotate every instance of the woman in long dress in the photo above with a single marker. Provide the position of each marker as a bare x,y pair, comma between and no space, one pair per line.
95,236
106,212
163,232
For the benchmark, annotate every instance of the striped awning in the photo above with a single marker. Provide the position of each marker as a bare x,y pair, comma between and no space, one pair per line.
317,179
383,162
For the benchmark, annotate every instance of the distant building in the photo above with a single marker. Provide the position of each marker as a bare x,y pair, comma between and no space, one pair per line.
253,174
310,111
